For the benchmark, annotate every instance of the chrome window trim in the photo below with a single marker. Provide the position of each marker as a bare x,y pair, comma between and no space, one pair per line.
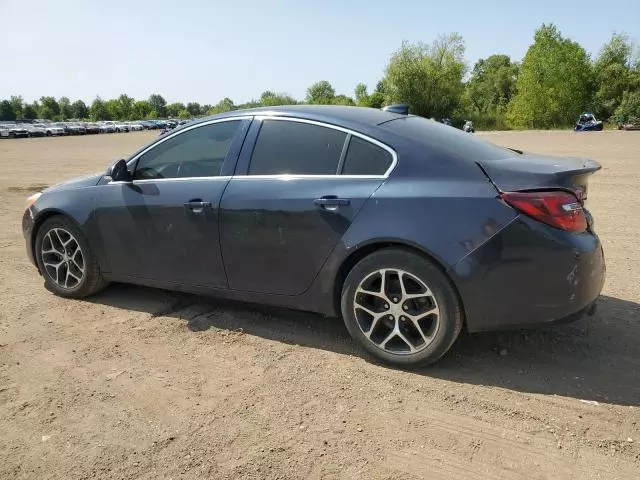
394,155
295,176
155,180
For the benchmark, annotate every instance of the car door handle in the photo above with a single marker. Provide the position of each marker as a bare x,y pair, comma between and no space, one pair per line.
197,206
331,202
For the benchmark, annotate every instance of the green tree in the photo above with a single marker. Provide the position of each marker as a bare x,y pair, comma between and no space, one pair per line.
65,108
492,83
427,77
113,109
98,110
158,104
224,105
193,108
184,114
342,100
18,106
272,99
629,108
362,96
125,107
554,82
614,71
49,108
320,93
79,109
173,109
30,111
141,109
6,111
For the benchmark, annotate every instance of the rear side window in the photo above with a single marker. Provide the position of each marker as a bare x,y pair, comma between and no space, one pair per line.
448,140
287,147
365,158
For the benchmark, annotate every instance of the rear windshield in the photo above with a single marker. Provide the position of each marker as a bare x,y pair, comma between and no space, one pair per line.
448,140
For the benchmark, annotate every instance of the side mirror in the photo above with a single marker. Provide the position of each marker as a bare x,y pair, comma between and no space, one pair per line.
119,172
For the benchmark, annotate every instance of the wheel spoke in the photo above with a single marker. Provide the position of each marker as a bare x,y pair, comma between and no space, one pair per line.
405,340
383,344
415,319
409,296
373,294
75,261
376,316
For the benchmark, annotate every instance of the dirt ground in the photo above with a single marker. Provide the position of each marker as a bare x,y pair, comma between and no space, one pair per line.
142,383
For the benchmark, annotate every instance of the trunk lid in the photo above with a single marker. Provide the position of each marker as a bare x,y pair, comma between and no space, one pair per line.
540,172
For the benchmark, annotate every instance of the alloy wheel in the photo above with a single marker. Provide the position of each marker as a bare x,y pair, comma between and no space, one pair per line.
62,258
396,311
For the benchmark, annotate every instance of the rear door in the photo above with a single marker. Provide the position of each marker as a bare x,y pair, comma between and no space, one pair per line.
298,186
163,226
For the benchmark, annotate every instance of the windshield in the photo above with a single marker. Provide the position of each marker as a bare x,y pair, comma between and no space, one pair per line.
449,140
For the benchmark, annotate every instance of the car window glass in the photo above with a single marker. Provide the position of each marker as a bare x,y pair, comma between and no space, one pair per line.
365,158
199,152
448,140
286,147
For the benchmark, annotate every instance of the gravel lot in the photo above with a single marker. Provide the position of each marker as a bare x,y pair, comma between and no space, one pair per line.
142,383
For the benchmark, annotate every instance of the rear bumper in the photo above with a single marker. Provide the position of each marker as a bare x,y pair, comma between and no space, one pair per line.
530,275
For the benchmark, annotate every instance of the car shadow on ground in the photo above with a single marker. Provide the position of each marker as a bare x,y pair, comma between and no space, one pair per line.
596,358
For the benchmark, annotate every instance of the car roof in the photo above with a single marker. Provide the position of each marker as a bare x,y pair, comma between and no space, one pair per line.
345,116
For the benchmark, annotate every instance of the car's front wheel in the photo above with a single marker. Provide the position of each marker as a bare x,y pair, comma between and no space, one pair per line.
401,308
65,260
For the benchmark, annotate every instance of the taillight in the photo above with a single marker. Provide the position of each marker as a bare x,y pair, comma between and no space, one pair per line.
559,209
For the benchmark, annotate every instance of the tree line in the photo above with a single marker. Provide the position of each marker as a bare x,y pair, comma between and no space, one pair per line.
555,81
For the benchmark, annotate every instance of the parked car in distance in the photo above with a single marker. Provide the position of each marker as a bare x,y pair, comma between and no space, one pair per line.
147,125
92,127
406,228
61,126
18,130
51,129
587,123
36,130
4,131
107,127
135,126
121,127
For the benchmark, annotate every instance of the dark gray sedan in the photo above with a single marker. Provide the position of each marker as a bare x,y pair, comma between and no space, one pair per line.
408,229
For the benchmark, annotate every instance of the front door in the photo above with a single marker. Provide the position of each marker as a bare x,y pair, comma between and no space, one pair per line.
281,218
163,226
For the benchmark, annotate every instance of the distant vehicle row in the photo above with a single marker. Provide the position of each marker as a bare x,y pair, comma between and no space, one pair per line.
49,129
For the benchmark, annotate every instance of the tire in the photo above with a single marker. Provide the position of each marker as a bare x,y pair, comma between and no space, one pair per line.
51,236
434,307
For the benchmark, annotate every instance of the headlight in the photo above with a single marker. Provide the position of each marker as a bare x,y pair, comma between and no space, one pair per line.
32,199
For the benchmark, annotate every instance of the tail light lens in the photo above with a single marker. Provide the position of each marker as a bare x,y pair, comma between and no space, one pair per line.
559,209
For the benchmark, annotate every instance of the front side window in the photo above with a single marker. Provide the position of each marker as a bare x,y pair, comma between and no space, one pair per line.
199,152
296,148
366,158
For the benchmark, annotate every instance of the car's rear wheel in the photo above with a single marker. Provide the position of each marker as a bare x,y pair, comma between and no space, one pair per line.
401,308
65,260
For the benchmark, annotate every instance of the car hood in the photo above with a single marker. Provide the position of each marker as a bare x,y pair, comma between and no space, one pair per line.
78,182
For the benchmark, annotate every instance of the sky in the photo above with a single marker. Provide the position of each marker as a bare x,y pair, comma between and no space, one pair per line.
203,51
